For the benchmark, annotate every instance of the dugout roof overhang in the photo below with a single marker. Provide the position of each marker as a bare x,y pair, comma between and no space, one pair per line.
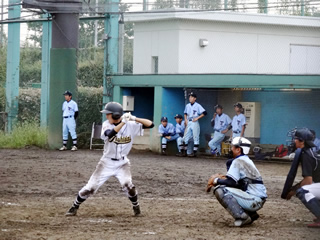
227,17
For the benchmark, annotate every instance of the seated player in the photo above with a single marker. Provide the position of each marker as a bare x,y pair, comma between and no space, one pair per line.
168,133
220,123
180,127
242,191
308,190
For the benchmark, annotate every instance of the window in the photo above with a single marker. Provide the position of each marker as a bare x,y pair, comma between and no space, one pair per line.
155,63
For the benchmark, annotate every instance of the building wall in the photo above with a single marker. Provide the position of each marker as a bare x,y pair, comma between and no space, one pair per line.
233,47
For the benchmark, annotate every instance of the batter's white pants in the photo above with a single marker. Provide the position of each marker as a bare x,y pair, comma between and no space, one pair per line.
105,169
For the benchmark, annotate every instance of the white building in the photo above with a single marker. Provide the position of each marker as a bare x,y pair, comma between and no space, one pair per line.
237,43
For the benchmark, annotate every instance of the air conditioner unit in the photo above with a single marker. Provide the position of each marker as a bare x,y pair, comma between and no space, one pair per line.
252,111
128,103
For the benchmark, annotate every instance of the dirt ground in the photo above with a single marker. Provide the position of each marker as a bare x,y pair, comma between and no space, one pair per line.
38,187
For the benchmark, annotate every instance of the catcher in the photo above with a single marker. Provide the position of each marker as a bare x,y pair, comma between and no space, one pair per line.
241,191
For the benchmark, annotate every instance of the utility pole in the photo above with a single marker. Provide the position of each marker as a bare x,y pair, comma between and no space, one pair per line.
1,29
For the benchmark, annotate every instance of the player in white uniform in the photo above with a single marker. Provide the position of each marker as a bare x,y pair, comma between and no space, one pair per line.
192,113
220,123
118,132
238,124
70,114
180,127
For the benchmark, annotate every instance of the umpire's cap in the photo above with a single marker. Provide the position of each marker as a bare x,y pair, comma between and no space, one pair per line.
67,93
178,116
239,105
193,94
305,135
114,108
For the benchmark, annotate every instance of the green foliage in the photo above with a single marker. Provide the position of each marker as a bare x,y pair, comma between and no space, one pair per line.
3,66
29,105
27,133
2,99
30,66
90,105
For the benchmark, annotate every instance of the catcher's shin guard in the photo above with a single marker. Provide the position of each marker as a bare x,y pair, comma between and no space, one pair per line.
313,204
230,203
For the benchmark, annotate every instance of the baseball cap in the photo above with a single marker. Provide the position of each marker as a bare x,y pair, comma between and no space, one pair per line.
218,106
193,94
305,135
178,116
164,119
239,105
67,93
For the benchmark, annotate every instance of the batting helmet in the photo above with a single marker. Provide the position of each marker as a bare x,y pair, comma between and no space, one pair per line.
114,108
242,143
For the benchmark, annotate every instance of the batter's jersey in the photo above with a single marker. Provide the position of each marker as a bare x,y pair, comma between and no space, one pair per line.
221,122
169,130
69,108
243,167
193,110
121,145
237,122
180,128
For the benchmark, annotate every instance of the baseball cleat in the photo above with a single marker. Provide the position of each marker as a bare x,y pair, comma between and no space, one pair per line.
242,222
74,148
72,211
180,154
315,224
192,155
136,210
63,148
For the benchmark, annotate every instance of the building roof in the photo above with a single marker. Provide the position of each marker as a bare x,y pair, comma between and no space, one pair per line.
231,17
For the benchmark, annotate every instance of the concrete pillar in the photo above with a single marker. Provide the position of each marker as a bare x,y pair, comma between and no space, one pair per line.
157,113
63,70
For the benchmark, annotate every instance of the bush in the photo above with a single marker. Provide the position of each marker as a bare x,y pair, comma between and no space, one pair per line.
29,104
24,134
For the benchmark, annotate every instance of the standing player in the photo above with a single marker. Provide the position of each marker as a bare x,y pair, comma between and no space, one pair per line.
180,127
242,192
220,123
168,133
308,190
70,114
118,133
238,124
192,113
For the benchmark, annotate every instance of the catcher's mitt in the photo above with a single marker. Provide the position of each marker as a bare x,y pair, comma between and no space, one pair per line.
211,179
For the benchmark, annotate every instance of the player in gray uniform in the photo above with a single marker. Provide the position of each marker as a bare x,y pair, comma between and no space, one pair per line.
118,132
192,113
308,190
238,124
242,193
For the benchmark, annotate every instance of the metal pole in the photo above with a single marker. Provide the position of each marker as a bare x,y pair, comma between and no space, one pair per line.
302,7
121,44
145,7
13,57
45,71
111,48
96,28
1,33
225,5
265,6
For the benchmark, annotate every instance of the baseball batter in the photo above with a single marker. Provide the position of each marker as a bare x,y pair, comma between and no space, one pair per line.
70,114
118,132
168,133
220,123
308,190
192,113
242,191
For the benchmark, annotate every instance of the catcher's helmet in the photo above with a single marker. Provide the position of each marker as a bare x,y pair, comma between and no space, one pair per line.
242,143
114,108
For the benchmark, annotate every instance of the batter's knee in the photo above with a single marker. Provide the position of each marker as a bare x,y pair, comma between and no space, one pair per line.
86,193
130,189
